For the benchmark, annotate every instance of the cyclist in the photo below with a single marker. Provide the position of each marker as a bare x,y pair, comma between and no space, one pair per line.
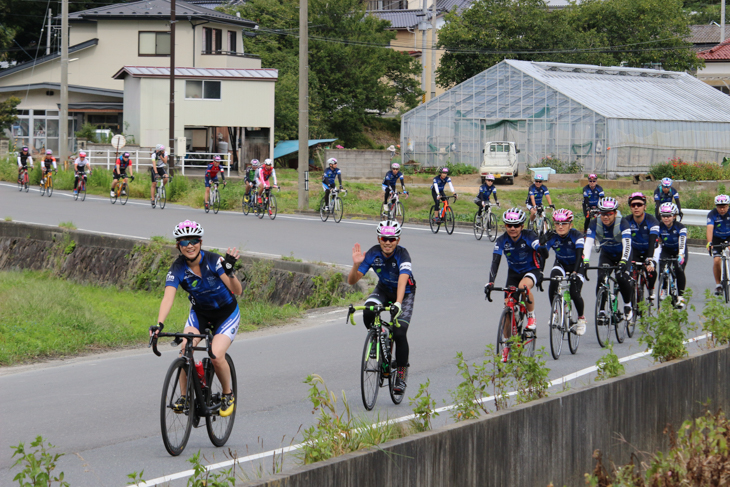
250,178
80,166
47,163
211,284
644,237
396,286
666,194
592,192
437,189
567,243
120,171
159,159
391,177
673,237
613,233
24,158
718,231
263,175
328,180
485,191
211,174
535,194
524,261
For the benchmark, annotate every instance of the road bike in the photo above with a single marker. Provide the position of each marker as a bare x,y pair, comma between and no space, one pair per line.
215,199
267,205
161,193
204,393
542,224
120,192
333,206
608,315
667,281
442,214
80,191
511,323
23,180
377,363
46,184
725,269
394,208
486,221
640,281
248,203
563,318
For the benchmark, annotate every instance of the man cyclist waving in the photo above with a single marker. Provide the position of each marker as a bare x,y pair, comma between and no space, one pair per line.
391,177
396,285
328,180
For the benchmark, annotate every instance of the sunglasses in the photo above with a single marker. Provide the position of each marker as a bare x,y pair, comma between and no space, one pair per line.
591,180
538,182
608,213
667,216
185,243
388,239
560,224
513,225
637,205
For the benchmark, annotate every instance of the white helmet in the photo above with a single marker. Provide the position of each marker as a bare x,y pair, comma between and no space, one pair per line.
388,228
489,177
514,216
331,161
608,204
668,209
268,162
395,165
159,147
722,199
188,229
255,163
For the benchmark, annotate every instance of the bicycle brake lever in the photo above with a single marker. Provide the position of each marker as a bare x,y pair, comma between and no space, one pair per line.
176,341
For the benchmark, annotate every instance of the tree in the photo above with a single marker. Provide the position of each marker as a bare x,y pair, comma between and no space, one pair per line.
351,73
8,113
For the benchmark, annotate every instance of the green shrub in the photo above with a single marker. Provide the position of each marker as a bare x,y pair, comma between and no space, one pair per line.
609,366
424,408
665,333
716,319
676,168
561,167
38,465
88,132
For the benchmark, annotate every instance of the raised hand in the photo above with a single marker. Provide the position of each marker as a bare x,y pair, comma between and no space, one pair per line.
357,256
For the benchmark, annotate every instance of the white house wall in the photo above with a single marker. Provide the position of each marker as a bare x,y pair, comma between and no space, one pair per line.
132,106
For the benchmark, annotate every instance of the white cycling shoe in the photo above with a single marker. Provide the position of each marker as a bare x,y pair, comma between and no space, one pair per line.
580,327
628,313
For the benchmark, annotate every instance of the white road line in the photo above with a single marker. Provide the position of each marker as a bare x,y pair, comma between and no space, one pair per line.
280,451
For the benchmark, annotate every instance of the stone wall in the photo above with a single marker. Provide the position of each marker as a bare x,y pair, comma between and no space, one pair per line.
361,164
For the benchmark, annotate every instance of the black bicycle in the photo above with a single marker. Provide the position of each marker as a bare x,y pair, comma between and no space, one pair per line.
203,394
667,281
608,314
377,364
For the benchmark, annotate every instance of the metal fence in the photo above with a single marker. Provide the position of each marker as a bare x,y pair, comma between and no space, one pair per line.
193,160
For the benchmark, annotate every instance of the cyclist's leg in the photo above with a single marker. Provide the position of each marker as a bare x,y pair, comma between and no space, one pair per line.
576,287
681,277
378,296
513,279
717,262
326,189
153,187
602,273
533,212
529,280
207,189
478,202
399,333
435,197
553,288
224,335
386,193
587,222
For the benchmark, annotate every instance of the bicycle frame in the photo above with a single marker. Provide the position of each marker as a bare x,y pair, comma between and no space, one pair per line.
443,206
517,304
381,327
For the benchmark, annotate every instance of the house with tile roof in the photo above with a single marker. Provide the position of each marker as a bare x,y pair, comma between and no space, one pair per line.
716,72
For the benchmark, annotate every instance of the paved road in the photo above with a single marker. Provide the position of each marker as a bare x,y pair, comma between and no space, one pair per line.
102,411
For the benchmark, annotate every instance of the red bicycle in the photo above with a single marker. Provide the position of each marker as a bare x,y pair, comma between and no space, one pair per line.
81,188
512,320
23,180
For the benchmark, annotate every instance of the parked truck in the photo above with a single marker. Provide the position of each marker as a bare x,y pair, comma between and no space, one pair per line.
500,159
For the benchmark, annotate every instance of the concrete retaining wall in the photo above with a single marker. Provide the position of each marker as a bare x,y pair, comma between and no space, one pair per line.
359,164
532,445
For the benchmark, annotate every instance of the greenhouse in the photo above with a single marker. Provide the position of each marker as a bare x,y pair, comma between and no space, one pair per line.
611,120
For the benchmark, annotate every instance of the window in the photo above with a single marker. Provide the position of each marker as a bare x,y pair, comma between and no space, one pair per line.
212,40
154,43
231,41
207,90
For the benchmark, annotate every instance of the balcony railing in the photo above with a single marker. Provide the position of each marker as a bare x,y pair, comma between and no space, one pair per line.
386,4
230,53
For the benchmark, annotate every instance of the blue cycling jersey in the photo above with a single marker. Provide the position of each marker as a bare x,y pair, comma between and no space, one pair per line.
610,245
641,233
486,191
441,182
521,254
206,292
390,179
567,248
670,236
661,197
721,224
330,175
388,269
538,193
593,195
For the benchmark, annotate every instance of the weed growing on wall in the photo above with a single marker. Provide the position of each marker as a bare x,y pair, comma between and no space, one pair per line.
325,292
716,319
666,331
67,225
259,285
38,464
424,408
153,266
608,365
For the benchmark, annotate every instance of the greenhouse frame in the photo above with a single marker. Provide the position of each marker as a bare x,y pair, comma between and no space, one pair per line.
611,120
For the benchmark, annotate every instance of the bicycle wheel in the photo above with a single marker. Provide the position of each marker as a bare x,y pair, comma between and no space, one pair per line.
113,198
82,192
725,279
547,225
20,184
492,228
219,428
571,319
216,202
163,198
176,425
397,398
42,189
636,295
433,213
124,194
663,288
400,214
323,214
478,227
504,328
25,185
49,189
260,207
556,327
604,316
370,373
272,207
449,220
337,210
622,327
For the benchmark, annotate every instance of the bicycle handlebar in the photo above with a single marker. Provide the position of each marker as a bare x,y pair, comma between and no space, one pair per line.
378,308
178,338
510,289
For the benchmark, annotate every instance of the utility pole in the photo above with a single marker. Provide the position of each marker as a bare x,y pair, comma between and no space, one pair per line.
433,49
48,34
303,201
722,21
422,28
172,83
63,118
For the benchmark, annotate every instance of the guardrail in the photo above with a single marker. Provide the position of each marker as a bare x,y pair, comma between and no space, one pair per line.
695,218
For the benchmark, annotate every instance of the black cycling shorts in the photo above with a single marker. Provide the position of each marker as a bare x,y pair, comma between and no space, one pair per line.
514,278
122,175
160,171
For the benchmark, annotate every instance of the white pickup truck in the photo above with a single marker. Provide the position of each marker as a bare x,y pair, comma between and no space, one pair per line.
500,159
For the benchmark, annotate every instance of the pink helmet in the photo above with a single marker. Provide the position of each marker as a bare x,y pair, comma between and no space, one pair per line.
445,170
217,158
668,208
82,154
637,196
188,229
607,204
592,176
489,177
49,152
563,215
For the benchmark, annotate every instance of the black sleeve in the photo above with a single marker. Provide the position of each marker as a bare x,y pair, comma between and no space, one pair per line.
496,259
578,260
339,176
652,245
585,206
679,207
